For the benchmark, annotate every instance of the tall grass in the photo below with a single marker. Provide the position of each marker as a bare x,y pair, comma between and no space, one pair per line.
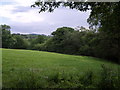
108,79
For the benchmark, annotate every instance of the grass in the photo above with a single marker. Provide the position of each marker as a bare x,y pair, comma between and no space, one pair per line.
17,64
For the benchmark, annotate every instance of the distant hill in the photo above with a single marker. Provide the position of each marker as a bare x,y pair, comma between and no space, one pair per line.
28,36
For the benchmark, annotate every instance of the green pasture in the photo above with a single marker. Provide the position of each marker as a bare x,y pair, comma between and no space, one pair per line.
17,63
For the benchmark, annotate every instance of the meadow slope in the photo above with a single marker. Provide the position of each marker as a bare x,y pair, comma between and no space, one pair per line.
15,61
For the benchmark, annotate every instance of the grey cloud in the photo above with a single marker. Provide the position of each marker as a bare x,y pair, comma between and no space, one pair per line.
39,28
59,18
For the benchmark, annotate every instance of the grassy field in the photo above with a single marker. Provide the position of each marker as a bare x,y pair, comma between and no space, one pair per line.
19,63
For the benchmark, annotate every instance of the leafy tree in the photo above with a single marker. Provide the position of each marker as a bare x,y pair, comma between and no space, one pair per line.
6,36
71,42
59,36
87,44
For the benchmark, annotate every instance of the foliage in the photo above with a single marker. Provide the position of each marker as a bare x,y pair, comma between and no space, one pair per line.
6,36
40,39
51,5
107,22
19,42
87,79
61,80
35,43
58,38
109,78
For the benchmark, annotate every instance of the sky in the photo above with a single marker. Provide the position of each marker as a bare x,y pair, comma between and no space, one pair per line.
26,20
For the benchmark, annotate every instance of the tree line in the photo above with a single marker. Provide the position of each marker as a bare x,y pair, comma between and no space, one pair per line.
66,40
20,41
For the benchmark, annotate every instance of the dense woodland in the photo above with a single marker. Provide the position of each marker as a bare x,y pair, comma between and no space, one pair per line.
101,40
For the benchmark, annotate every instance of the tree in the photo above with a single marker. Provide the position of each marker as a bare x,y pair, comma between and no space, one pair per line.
71,42
6,36
59,36
106,17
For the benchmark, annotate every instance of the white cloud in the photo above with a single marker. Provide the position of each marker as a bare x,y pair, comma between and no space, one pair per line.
24,19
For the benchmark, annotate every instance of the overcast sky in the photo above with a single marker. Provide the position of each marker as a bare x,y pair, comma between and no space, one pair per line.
24,19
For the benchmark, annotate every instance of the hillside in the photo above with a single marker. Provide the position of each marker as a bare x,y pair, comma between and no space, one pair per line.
15,62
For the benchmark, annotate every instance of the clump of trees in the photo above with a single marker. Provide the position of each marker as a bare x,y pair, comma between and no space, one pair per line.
12,41
80,42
